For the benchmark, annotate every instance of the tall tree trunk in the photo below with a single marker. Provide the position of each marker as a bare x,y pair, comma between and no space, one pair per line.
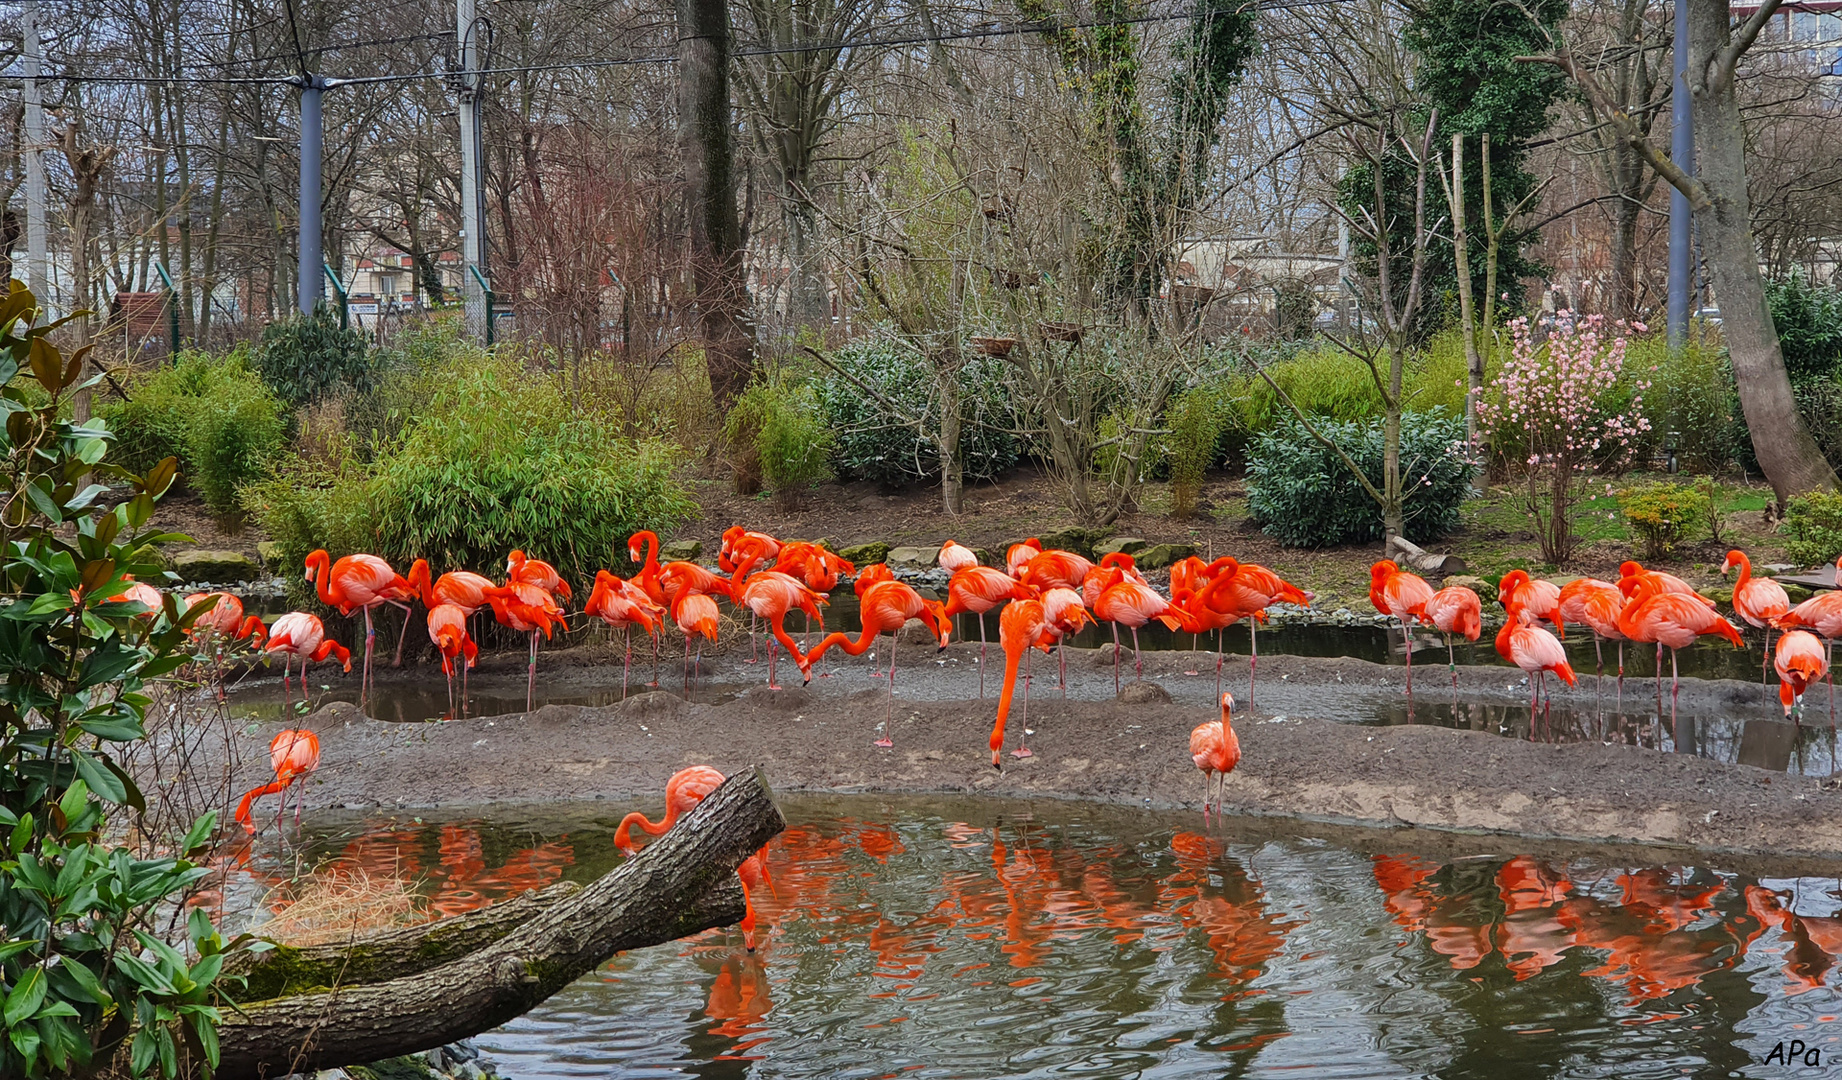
1790,458
952,462
1623,299
707,146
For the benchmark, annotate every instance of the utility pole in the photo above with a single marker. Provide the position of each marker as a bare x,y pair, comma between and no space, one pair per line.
313,135
1682,152
37,263
474,276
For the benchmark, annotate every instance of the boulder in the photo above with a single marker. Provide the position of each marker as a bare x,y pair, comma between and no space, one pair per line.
1143,693
1719,596
865,552
1773,569
1131,545
269,551
1797,593
1079,540
215,567
912,558
1484,589
681,551
1562,580
1162,555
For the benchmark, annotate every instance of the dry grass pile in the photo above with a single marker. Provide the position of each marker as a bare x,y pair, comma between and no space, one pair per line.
340,905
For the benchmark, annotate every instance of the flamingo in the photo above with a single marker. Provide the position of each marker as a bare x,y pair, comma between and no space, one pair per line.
1065,614
355,582
978,589
887,605
222,623
536,572
462,588
1757,600
648,577
447,626
526,609
1020,626
1453,610
1133,604
736,534
770,594
1017,556
1246,590
623,605
1216,750
1535,651
1538,598
1634,580
694,613
294,754
1822,614
1800,661
1674,619
814,566
1393,591
299,634
955,557
1597,604
1053,567
683,791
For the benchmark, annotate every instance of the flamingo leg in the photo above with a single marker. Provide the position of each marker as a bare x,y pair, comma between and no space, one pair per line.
364,685
981,618
285,661
300,799
1407,645
1138,658
687,666
1219,645
1253,637
1022,750
530,685
465,665
1765,664
1115,659
754,655
1061,656
1675,689
888,738
655,663
1451,661
773,645
402,635
627,663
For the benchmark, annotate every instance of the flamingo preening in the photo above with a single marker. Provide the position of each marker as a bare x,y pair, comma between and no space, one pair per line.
1216,750
1394,592
624,605
358,582
1822,615
1598,604
1246,590
1065,614
447,625
299,634
294,754
695,615
1453,610
1539,598
1536,652
526,609
955,557
1800,661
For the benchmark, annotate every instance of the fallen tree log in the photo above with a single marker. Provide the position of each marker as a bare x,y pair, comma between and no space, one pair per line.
1418,558
683,883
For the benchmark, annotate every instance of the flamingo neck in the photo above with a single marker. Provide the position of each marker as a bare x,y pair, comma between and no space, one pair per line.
320,566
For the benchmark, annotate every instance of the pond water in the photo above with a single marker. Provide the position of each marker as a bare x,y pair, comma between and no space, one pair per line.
984,939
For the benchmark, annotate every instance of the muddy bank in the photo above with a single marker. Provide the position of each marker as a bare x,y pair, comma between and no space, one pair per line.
1299,762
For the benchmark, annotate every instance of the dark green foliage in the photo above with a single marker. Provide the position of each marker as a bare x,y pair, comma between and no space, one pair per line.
93,952
1691,393
495,459
1303,495
1195,419
1808,318
1663,515
212,413
1813,528
873,444
777,427
307,357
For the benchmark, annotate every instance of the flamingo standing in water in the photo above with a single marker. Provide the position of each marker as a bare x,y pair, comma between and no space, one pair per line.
1394,592
526,609
1800,661
1539,598
1757,600
1246,590
358,582
887,605
294,754
299,634
1598,604
447,625
1821,614
1536,652
1133,604
978,589
462,588
770,594
623,605
695,615
683,791
1216,750
1454,610
1020,627
1674,619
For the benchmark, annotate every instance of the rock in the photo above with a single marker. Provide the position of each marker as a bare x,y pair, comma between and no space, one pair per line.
1476,584
912,558
1773,569
1163,555
1797,593
872,502
865,552
216,567
1143,693
1562,580
652,703
681,551
1131,545
269,551
1075,538
988,557
1719,596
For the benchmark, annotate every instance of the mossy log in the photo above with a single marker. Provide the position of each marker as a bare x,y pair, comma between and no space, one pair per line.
682,884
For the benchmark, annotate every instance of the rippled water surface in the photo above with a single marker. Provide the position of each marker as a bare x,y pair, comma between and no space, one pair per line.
991,939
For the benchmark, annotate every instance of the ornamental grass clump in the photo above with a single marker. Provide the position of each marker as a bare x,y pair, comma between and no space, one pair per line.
1564,408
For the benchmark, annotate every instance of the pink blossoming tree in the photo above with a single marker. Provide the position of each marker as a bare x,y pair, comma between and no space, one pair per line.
1566,403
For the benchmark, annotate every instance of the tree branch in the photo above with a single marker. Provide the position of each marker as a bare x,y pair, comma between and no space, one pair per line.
1627,128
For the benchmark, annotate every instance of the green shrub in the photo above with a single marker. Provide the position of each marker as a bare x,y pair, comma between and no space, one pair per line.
777,437
1664,515
307,357
1691,393
1195,419
1813,527
1303,495
494,460
212,413
1808,319
874,444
